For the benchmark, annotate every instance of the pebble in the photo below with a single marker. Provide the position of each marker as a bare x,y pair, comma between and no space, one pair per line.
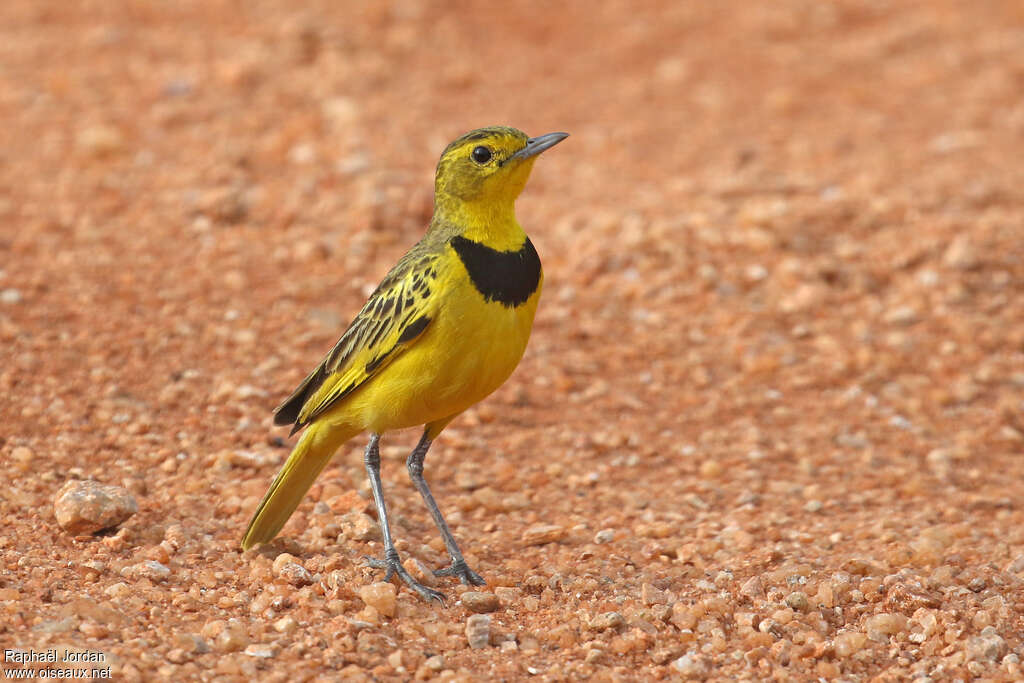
880,626
232,637
753,587
99,140
262,651
149,569
539,534
56,625
359,526
607,621
23,457
691,665
960,254
479,602
604,536
295,574
813,506
435,663
650,595
508,595
988,647
798,601
849,643
478,631
87,506
10,295
286,625
191,642
902,315
381,596
118,590
420,572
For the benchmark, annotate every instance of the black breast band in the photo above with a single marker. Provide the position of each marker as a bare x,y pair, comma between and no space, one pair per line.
506,277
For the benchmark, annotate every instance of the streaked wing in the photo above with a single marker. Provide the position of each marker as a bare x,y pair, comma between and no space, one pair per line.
394,316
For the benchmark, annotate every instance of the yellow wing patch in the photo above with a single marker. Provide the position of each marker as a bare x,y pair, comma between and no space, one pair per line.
393,318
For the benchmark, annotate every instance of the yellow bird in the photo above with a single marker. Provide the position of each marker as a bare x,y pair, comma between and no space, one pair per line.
445,328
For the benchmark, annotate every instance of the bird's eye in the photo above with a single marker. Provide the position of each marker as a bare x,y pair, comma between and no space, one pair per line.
481,155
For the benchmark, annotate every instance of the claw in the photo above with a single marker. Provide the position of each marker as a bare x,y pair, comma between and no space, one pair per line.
460,569
393,566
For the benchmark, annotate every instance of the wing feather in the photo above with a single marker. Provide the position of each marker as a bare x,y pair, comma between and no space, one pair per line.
378,334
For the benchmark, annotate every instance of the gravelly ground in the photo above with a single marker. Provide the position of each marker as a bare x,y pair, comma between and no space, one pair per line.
770,423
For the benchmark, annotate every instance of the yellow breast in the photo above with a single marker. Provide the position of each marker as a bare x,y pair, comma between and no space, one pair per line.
470,348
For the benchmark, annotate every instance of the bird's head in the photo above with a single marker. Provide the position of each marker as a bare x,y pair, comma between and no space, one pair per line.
489,165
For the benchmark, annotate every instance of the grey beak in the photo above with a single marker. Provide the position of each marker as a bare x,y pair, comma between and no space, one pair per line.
535,146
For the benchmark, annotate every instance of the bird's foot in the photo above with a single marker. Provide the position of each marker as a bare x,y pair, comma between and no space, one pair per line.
460,569
393,566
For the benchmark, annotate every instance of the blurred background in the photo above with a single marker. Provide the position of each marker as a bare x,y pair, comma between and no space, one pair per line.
782,333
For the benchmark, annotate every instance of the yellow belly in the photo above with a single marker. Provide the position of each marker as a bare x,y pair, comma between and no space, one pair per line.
469,349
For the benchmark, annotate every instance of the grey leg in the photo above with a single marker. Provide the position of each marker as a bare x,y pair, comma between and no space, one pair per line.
458,567
391,561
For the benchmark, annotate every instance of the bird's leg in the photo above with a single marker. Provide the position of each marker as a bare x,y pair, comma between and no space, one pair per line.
391,561
458,567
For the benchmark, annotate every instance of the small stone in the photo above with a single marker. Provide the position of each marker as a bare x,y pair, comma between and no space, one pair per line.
286,625
213,628
988,647
10,296
849,643
607,621
177,656
93,630
753,588
359,526
261,651
685,616
539,534
175,536
56,625
193,643
507,595
232,638
23,457
295,574
960,254
691,665
480,602
100,140
420,572
281,560
862,567
118,590
604,536
652,596
478,631
148,569
880,626
798,601
85,507
381,596
902,315
710,469
435,663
